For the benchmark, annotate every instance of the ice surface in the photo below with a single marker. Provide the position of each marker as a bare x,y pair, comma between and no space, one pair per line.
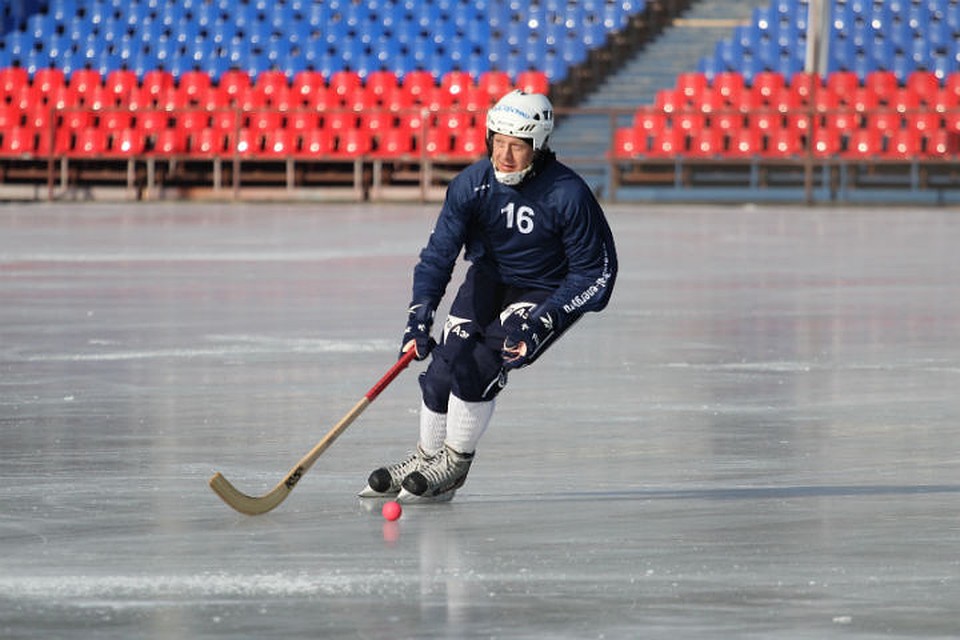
758,439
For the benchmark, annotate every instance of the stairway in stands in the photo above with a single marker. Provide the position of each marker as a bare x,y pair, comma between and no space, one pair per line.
678,49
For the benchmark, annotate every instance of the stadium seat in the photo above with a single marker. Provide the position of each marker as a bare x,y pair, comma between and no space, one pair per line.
120,85
90,143
883,83
195,88
745,143
208,143
864,143
280,143
904,143
667,143
48,80
706,143
316,143
353,143
18,141
626,142
783,143
10,117
531,81
924,84
470,143
825,142
127,142
393,143
767,86
115,119
495,83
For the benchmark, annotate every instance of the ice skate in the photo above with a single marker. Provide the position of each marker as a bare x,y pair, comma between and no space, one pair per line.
385,482
437,481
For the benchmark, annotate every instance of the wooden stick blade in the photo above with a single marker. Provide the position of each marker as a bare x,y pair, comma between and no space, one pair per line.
250,505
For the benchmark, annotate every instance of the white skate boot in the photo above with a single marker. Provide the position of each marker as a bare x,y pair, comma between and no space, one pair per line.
437,481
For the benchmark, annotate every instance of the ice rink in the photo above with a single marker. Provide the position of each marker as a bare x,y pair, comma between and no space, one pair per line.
760,437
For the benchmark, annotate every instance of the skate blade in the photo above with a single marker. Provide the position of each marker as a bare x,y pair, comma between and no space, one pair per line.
405,497
370,493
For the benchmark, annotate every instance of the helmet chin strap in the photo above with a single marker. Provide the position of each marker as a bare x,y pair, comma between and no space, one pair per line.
512,178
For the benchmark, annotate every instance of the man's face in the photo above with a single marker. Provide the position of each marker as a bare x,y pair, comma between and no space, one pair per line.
510,154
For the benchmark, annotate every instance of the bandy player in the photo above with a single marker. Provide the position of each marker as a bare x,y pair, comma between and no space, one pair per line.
541,254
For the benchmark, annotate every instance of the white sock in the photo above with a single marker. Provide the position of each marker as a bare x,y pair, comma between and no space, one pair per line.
466,422
433,430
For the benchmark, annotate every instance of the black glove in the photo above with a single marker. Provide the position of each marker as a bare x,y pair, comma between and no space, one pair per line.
525,334
417,333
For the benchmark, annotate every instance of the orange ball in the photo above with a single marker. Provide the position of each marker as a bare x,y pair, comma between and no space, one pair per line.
391,510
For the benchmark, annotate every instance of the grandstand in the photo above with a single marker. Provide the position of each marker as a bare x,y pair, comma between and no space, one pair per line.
385,99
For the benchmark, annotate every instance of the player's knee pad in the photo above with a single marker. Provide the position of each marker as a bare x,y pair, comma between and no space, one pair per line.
478,375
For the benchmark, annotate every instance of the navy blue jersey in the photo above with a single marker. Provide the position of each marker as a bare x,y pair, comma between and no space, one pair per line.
547,233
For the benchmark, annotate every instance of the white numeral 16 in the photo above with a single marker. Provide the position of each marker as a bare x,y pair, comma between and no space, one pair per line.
523,217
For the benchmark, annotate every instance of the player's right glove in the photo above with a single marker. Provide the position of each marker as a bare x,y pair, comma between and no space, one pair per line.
417,334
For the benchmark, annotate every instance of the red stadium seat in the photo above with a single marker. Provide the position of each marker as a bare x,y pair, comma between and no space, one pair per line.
272,89
393,143
344,84
85,83
706,143
495,84
169,142
842,120
383,88
804,85
745,143
456,84
826,142
767,85
354,143
943,144
864,143
264,120
626,142
883,83
128,142
842,83
120,85
192,120
904,143
155,85
730,85
208,143
436,143
18,141
783,143
302,120
280,142
48,80
924,122
152,121
11,79
861,99
90,143
10,117
668,101
235,88
116,119
470,143
194,89
885,120
649,120
316,142
306,87
668,143
691,86
924,84
904,100
417,85
533,82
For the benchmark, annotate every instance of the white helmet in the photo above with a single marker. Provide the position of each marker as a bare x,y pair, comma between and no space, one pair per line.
522,115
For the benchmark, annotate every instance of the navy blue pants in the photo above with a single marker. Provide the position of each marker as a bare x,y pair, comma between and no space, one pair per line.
467,362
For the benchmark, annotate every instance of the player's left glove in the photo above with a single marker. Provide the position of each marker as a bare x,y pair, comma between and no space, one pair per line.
417,333
525,335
